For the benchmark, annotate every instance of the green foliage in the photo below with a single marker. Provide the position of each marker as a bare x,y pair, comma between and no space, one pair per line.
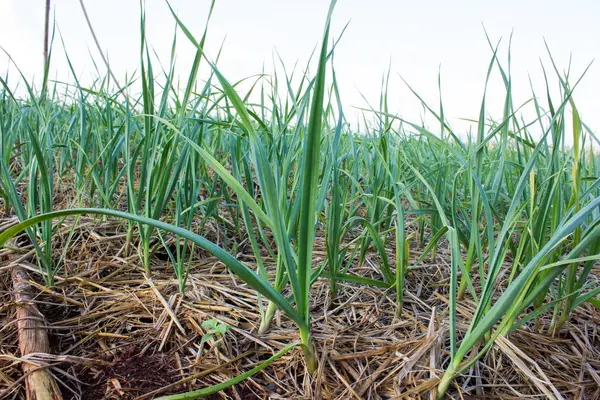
214,328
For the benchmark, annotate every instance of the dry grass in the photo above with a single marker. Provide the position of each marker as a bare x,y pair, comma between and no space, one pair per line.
116,334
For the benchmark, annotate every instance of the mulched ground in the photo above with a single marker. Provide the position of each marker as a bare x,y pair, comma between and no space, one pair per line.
115,334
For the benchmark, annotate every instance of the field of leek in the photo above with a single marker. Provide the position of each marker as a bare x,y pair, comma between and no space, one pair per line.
245,237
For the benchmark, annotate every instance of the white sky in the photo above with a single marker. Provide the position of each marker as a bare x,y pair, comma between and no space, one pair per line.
417,37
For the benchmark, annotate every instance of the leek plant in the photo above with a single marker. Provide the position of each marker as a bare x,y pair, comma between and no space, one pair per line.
297,261
158,154
32,166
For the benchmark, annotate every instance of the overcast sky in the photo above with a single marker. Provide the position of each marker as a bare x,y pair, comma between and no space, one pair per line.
418,38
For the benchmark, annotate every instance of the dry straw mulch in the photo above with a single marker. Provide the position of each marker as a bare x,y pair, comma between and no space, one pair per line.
116,334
